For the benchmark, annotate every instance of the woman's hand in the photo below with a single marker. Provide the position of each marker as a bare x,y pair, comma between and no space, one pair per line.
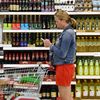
47,43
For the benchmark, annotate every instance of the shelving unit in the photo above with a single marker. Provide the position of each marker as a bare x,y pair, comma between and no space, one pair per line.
87,77
48,13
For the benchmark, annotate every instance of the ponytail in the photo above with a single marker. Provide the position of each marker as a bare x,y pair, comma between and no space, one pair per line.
73,22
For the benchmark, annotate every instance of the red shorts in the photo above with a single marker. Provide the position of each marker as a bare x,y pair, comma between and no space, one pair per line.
64,74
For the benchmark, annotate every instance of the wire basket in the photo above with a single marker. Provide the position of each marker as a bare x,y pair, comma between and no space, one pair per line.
23,82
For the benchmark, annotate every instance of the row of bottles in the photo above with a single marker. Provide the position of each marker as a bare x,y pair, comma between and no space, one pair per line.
28,39
27,5
88,66
26,56
51,92
87,89
49,5
28,22
83,5
90,23
88,43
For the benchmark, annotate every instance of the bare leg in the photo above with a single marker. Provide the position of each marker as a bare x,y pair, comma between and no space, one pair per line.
65,92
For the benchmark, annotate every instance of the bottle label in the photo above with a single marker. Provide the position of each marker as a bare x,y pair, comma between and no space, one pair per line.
53,94
97,90
91,90
78,92
85,90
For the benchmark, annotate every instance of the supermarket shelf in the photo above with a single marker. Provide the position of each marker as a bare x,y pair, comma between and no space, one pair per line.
54,83
33,31
25,48
88,33
5,45
88,54
48,13
23,65
87,77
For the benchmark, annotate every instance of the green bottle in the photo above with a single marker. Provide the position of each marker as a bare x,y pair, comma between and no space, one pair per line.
80,68
97,89
97,68
85,92
78,91
91,67
86,69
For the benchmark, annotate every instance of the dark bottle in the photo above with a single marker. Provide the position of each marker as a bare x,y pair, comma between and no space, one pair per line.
53,92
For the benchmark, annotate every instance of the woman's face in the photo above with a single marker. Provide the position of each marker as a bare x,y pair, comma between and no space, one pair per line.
59,23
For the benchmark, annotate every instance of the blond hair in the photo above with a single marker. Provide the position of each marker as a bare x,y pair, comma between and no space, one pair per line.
63,15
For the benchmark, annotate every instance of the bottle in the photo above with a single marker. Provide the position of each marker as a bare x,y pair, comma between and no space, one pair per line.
93,28
91,67
86,69
97,89
85,90
97,68
53,93
43,92
88,28
48,96
91,90
53,38
37,40
33,56
41,41
78,90
97,24
80,68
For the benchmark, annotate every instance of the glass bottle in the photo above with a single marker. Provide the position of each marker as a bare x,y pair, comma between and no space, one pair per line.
80,68
86,69
85,90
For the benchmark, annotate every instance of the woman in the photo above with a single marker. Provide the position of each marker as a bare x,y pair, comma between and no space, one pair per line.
64,53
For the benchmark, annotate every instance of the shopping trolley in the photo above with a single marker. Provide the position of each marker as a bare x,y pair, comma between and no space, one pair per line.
23,83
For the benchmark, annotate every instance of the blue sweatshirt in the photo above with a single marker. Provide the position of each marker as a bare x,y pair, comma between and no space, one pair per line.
64,50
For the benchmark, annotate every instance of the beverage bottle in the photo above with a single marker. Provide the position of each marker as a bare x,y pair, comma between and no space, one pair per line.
86,69
87,23
53,38
78,90
17,40
85,90
80,67
97,25
93,24
82,24
97,68
43,92
48,96
91,67
37,40
90,44
97,89
53,93
41,41
91,90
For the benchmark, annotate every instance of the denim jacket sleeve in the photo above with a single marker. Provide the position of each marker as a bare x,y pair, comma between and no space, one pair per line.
62,51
